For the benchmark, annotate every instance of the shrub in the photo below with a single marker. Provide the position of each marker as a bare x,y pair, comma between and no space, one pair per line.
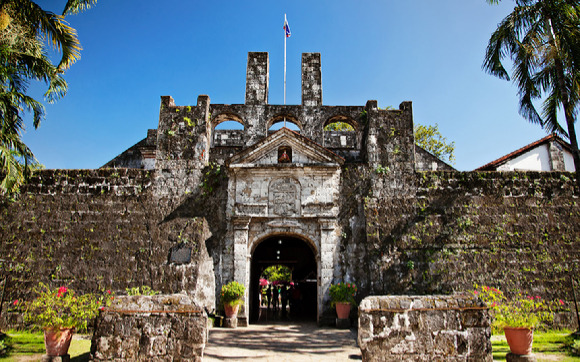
343,293
233,293
63,308
522,311
143,290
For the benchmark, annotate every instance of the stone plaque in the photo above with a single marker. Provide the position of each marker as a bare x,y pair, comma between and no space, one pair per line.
180,254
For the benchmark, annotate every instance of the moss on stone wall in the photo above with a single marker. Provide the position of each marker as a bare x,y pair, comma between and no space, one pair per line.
515,231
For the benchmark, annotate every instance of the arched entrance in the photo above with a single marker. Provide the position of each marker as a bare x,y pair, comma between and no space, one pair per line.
297,255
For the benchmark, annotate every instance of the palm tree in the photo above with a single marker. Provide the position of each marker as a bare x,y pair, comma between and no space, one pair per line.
542,38
25,32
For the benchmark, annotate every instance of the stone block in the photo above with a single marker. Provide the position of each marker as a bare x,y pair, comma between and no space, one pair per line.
155,328
342,323
231,322
422,328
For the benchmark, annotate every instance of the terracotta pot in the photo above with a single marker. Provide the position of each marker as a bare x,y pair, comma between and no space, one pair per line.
57,340
342,310
519,339
231,310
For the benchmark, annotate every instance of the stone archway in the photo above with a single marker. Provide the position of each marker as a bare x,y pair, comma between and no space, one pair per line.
298,255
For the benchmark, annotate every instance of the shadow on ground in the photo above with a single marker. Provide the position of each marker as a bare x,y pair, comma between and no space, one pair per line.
282,339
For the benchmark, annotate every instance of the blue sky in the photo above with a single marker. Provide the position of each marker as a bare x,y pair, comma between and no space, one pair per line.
428,52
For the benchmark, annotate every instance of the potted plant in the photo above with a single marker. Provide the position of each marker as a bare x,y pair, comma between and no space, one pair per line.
59,312
517,316
232,297
342,297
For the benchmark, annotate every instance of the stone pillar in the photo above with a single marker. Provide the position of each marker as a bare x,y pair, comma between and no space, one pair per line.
241,227
326,264
257,78
372,149
241,270
311,80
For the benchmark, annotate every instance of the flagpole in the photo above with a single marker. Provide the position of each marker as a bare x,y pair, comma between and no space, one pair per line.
285,36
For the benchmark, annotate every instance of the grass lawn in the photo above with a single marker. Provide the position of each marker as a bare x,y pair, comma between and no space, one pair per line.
548,346
28,346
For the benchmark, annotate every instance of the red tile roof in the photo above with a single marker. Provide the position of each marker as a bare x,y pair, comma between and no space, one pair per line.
494,164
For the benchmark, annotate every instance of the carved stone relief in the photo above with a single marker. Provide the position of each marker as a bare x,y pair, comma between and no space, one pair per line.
284,197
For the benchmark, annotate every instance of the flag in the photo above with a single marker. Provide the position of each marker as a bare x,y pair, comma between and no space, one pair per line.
286,28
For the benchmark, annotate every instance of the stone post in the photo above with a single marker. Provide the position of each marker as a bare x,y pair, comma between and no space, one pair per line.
311,80
257,78
326,264
241,227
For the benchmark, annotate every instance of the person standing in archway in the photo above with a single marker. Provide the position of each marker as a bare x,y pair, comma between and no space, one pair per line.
269,295
276,297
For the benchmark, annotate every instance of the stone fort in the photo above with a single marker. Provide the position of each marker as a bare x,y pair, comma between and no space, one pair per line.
192,207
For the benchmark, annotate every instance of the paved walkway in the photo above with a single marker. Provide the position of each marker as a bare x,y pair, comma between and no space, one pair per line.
282,341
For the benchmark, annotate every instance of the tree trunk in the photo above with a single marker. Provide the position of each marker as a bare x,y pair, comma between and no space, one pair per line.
568,109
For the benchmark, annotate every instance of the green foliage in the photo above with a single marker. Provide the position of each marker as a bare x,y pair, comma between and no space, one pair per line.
343,293
4,346
541,38
211,177
28,346
278,273
382,170
233,293
62,308
190,123
143,290
339,126
575,347
430,139
27,34
521,311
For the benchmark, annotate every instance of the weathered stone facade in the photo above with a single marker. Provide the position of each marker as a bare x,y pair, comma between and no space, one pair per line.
150,328
341,205
424,328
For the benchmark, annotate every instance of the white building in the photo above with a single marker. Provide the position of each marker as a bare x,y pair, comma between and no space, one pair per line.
551,153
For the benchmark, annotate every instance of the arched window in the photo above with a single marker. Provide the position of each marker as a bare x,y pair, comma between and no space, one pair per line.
340,123
341,132
287,121
228,130
229,125
279,124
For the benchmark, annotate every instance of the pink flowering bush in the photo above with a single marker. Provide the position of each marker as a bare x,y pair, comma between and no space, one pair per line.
522,311
343,293
63,308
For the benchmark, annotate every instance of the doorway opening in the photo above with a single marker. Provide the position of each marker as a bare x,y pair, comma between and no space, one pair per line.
290,263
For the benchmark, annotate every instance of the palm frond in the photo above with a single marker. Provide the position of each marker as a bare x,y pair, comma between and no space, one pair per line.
77,6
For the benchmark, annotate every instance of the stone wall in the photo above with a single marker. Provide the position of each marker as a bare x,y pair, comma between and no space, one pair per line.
103,229
150,328
94,230
514,231
424,328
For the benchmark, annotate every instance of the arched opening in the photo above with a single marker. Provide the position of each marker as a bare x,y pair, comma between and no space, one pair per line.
300,290
278,122
340,133
229,125
228,130
340,123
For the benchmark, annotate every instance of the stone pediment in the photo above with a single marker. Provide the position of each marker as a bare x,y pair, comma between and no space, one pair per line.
299,150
